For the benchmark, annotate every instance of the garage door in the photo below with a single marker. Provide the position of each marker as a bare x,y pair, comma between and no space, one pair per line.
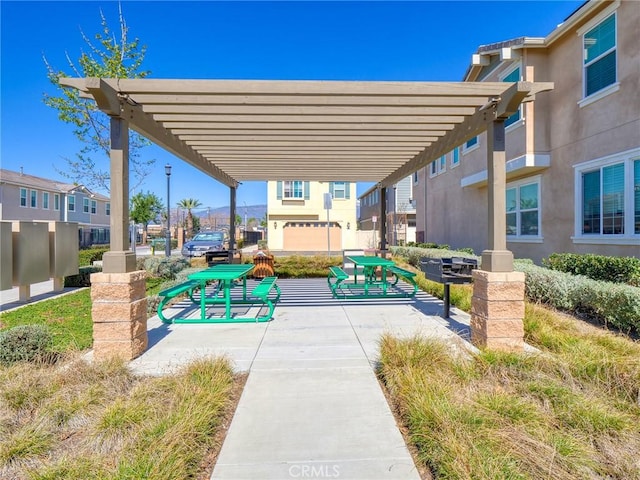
311,236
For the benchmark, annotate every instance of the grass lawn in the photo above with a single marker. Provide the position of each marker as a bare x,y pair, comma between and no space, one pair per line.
68,318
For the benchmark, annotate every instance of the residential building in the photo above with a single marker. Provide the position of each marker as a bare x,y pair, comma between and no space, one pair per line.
400,212
297,217
572,156
31,198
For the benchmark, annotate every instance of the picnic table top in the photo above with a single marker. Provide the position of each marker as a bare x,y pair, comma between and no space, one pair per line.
223,272
370,261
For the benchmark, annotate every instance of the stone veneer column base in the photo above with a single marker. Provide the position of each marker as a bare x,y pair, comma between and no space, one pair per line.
119,313
497,310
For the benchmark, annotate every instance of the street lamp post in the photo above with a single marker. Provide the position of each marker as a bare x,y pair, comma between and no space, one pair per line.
167,244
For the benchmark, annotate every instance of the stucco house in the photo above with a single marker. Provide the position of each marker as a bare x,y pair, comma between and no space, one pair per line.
297,217
400,211
30,198
573,155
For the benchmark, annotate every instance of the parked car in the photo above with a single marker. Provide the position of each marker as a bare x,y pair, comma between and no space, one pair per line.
212,243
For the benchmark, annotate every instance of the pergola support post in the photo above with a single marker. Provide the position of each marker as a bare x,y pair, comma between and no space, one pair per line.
497,305
383,221
232,222
119,303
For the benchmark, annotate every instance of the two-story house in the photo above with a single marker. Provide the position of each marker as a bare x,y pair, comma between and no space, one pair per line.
400,212
297,217
573,155
31,198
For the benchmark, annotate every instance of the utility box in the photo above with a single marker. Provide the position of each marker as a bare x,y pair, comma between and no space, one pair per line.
6,256
30,252
63,249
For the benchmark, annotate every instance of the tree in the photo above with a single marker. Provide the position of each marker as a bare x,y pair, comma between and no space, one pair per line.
189,204
145,208
110,57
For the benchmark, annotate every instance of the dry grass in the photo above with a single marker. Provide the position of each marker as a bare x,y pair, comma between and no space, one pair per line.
570,412
99,421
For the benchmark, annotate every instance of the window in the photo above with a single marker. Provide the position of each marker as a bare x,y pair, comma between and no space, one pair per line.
608,199
293,189
523,207
599,47
94,207
514,76
107,208
340,190
23,197
455,157
415,177
45,200
34,198
438,166
56,201
470,144
71,203
85,205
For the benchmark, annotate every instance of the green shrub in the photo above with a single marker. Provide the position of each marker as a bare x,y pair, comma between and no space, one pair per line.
296,266
90,255
413,254
165,267
83,278
25,343
609,303
597,267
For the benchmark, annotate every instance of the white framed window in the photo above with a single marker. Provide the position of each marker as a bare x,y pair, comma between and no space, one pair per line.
33,198
523,209
438,166
600,56
23,197
340,190
85,205
293,189
513,75
607,199
94,207
107,208
45,200
471,145
56,201
455,157
71,203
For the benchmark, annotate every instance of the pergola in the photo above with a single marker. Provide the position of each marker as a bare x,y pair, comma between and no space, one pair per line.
241,130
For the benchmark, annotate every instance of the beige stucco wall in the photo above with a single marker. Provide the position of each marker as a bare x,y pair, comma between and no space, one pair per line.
281,212
555,125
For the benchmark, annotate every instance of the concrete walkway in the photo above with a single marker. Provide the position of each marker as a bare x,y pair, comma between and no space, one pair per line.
10,299
312,406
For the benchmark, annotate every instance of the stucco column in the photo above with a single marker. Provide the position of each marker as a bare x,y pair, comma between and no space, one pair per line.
497,305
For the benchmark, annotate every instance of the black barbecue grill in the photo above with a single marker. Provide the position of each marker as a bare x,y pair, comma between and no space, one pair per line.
447,271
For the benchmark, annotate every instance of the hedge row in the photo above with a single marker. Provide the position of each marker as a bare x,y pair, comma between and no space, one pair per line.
610,303
90,255
597,267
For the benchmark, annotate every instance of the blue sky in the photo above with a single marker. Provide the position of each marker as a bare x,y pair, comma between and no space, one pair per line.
332,40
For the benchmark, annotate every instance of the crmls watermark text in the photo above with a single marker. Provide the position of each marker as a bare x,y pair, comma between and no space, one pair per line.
314,471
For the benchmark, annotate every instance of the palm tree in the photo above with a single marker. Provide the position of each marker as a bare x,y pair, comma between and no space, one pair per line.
189,204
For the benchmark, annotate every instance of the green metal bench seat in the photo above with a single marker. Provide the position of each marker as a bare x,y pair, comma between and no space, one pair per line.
335,278
262,291
172,292
408,275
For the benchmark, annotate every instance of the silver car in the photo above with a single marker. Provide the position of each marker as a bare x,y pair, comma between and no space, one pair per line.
203,243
